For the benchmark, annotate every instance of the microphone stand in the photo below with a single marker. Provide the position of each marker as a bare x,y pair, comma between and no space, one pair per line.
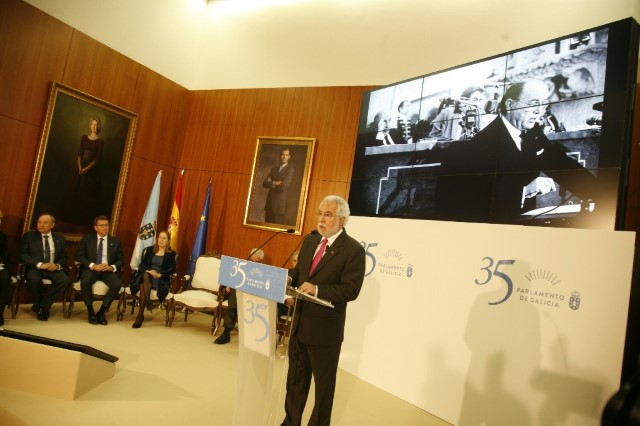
288,231
314,232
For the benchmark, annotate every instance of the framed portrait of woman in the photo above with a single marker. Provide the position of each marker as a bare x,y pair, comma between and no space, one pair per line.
279,183
82,163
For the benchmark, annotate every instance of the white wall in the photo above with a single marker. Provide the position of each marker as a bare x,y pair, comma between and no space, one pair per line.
431,337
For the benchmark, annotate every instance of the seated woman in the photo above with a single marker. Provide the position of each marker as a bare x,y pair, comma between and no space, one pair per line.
156,267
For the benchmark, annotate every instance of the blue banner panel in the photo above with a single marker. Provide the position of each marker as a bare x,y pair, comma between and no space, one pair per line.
254,278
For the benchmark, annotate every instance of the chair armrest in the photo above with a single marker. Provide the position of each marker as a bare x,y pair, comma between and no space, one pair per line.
183,280
174,285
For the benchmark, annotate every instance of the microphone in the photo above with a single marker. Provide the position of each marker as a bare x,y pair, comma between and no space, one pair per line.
288,231
314,232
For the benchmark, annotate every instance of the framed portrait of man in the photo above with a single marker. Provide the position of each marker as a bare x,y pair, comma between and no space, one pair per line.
279,183
82,162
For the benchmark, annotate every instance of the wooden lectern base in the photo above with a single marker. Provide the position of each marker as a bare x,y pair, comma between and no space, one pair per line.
52,367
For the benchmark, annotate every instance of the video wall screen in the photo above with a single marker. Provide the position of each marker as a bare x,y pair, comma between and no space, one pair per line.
537,136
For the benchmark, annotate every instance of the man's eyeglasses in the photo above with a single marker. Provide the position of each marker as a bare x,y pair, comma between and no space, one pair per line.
325,215
533,103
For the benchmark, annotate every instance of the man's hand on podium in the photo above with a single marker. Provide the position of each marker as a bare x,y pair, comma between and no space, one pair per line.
308,288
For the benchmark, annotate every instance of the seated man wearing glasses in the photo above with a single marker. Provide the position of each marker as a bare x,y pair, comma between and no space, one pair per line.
495,176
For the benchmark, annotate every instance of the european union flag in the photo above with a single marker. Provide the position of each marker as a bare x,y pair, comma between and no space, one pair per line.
201,237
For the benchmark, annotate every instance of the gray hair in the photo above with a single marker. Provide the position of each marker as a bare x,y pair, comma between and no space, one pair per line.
51,218
343,207
258,252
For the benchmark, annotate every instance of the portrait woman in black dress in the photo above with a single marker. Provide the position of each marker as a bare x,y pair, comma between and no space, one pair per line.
85,182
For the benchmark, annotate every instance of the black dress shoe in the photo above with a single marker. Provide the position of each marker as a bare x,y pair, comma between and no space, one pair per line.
93,319
42,314
34,309
102,320
47,312
223,339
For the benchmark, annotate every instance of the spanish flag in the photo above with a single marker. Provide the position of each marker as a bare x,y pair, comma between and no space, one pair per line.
174,222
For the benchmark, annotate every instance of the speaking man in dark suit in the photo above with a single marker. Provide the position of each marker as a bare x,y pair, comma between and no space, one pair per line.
278,182
44,253
330,266
101,257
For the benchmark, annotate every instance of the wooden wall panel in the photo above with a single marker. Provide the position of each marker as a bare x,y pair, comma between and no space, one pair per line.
162,106
36,49
32,48
33,51
100,71
19,146
209,145
339,116
239,117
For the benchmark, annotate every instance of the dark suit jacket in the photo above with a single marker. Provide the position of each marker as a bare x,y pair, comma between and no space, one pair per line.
88,248
32,252
481,180
339,277
277,197
168,269
4,250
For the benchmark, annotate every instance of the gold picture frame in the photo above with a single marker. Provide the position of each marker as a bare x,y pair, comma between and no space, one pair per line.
80,173
278,197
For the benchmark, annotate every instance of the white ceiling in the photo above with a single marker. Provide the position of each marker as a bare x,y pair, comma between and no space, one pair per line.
219,44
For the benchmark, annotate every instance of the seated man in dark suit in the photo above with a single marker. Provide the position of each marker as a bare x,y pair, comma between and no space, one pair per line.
44,253
100,256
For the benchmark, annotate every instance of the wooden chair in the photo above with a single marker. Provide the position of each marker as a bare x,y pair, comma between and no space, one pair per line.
283,324
21,282
203,294
99,290
14,282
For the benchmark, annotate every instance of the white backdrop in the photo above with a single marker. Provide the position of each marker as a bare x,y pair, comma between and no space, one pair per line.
501,324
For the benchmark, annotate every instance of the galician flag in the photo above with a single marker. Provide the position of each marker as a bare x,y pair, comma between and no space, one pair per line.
201,237
174,222
147,231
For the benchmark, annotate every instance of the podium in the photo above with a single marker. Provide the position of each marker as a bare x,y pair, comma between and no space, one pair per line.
260,390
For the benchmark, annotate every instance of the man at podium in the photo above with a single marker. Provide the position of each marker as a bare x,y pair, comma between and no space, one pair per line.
330,266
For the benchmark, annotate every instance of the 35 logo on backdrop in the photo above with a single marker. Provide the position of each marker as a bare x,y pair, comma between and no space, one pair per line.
391,262
540,287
